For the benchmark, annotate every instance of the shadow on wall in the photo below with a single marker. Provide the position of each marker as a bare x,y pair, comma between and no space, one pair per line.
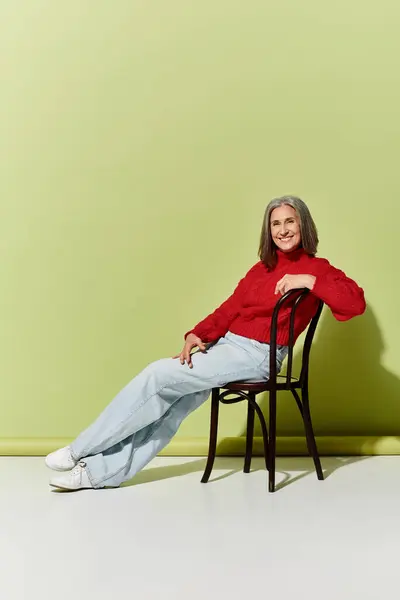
351,392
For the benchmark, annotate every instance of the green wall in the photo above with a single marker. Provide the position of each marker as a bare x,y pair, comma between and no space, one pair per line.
140,142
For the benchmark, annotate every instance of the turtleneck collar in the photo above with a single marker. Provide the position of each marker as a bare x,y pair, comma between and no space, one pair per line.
284,257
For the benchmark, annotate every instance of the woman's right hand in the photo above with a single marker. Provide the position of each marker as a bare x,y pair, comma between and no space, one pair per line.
192,341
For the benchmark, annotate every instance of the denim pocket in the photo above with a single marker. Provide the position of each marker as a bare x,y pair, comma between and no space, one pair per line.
281,353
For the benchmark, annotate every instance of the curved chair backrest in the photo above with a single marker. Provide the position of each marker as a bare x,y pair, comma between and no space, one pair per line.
293,298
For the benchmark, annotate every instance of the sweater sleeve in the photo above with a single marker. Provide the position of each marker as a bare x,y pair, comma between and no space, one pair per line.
343,296
217,324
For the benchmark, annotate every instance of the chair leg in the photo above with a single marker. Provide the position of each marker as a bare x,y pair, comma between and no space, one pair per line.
300,407
264,430
249,438
213,435
311,443
272,440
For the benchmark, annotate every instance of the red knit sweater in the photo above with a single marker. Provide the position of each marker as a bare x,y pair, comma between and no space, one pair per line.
248,311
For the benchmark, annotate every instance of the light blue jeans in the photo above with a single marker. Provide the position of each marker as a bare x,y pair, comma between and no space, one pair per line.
147,412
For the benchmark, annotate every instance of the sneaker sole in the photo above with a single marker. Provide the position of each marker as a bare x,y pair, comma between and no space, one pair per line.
67,489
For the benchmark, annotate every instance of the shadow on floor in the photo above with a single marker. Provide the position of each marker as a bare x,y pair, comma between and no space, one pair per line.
284,465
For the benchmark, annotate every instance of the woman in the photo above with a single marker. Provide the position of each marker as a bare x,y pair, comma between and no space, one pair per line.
232,345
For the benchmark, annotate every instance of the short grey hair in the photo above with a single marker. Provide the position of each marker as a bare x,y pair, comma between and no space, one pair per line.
308,230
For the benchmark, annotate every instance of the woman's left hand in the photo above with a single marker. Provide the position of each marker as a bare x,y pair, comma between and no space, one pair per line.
294,282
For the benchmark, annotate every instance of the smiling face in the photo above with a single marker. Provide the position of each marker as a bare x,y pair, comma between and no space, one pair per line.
285,228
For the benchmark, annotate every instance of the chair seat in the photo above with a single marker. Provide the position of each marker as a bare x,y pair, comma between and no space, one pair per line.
259,386
243,386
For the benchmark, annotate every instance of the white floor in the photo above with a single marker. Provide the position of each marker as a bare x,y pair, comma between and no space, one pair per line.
166,536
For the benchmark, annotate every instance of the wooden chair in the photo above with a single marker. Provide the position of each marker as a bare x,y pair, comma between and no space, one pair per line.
249,391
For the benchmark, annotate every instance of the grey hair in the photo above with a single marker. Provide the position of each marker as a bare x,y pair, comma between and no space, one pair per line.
308,230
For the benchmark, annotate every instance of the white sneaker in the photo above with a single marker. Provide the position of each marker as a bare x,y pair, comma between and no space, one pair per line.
77,479
60,460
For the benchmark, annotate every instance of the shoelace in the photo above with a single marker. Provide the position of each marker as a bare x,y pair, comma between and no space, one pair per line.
78,470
